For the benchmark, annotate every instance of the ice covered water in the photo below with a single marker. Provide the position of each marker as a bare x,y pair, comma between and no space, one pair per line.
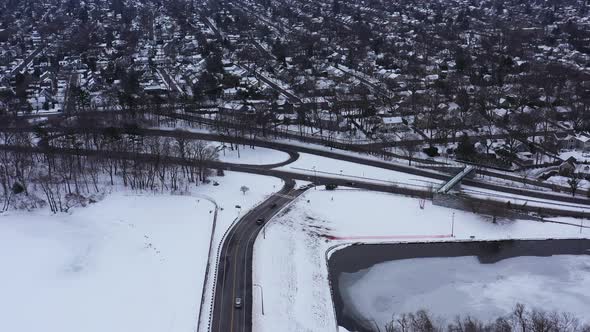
462,285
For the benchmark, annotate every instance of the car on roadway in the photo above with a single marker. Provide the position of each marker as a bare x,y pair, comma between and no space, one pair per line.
259,221
273,205
238,303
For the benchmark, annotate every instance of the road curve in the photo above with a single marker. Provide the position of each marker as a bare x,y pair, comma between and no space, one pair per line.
285,147
270,171
234,271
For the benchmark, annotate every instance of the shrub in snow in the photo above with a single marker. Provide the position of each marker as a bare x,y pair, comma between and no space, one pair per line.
75,200
431,151
27,202
17,188
96,197
331,186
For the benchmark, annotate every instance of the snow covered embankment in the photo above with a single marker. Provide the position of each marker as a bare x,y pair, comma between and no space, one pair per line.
290,263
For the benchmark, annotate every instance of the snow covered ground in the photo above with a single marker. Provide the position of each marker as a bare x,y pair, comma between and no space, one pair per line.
131,262
563,181
579,155
127,263
312,164
522,200
249,155
483,291
290,263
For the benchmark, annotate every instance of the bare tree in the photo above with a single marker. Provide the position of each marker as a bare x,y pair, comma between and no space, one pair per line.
244,189
519,320
411,146
573,182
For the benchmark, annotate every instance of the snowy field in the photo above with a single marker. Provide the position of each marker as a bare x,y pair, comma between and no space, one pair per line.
249,155
128,263
312,165
131,262
483,291
291,261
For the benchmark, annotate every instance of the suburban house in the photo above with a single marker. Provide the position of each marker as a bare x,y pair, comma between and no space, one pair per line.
395,124
571,142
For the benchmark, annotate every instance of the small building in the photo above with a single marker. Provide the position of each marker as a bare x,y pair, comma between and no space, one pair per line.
583,171
394,124
573,142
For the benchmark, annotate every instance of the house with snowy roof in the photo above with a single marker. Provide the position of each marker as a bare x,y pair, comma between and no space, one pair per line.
573,142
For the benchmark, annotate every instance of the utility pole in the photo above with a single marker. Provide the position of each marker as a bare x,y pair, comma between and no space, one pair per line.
453,225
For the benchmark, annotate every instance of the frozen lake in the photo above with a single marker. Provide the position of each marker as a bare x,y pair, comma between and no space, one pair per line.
483,280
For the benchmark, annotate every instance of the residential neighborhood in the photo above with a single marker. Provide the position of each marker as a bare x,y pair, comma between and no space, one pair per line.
340,70
355,165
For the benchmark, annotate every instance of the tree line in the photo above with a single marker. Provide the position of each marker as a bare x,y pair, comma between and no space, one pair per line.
68,170
521,319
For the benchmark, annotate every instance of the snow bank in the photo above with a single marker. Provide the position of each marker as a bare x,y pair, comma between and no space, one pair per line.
290,263
348,170
252,156
228,196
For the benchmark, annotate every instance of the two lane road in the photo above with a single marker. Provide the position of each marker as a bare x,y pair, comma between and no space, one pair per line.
234,275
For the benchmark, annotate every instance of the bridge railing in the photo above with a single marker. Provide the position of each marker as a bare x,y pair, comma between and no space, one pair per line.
456,179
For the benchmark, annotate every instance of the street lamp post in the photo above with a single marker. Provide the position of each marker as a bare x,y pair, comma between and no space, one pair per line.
453,225
261,297
315,177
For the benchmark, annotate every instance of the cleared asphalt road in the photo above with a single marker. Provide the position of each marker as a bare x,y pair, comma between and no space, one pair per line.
234,274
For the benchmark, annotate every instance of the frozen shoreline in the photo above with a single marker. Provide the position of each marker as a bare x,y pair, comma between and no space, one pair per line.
484,291
291,261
